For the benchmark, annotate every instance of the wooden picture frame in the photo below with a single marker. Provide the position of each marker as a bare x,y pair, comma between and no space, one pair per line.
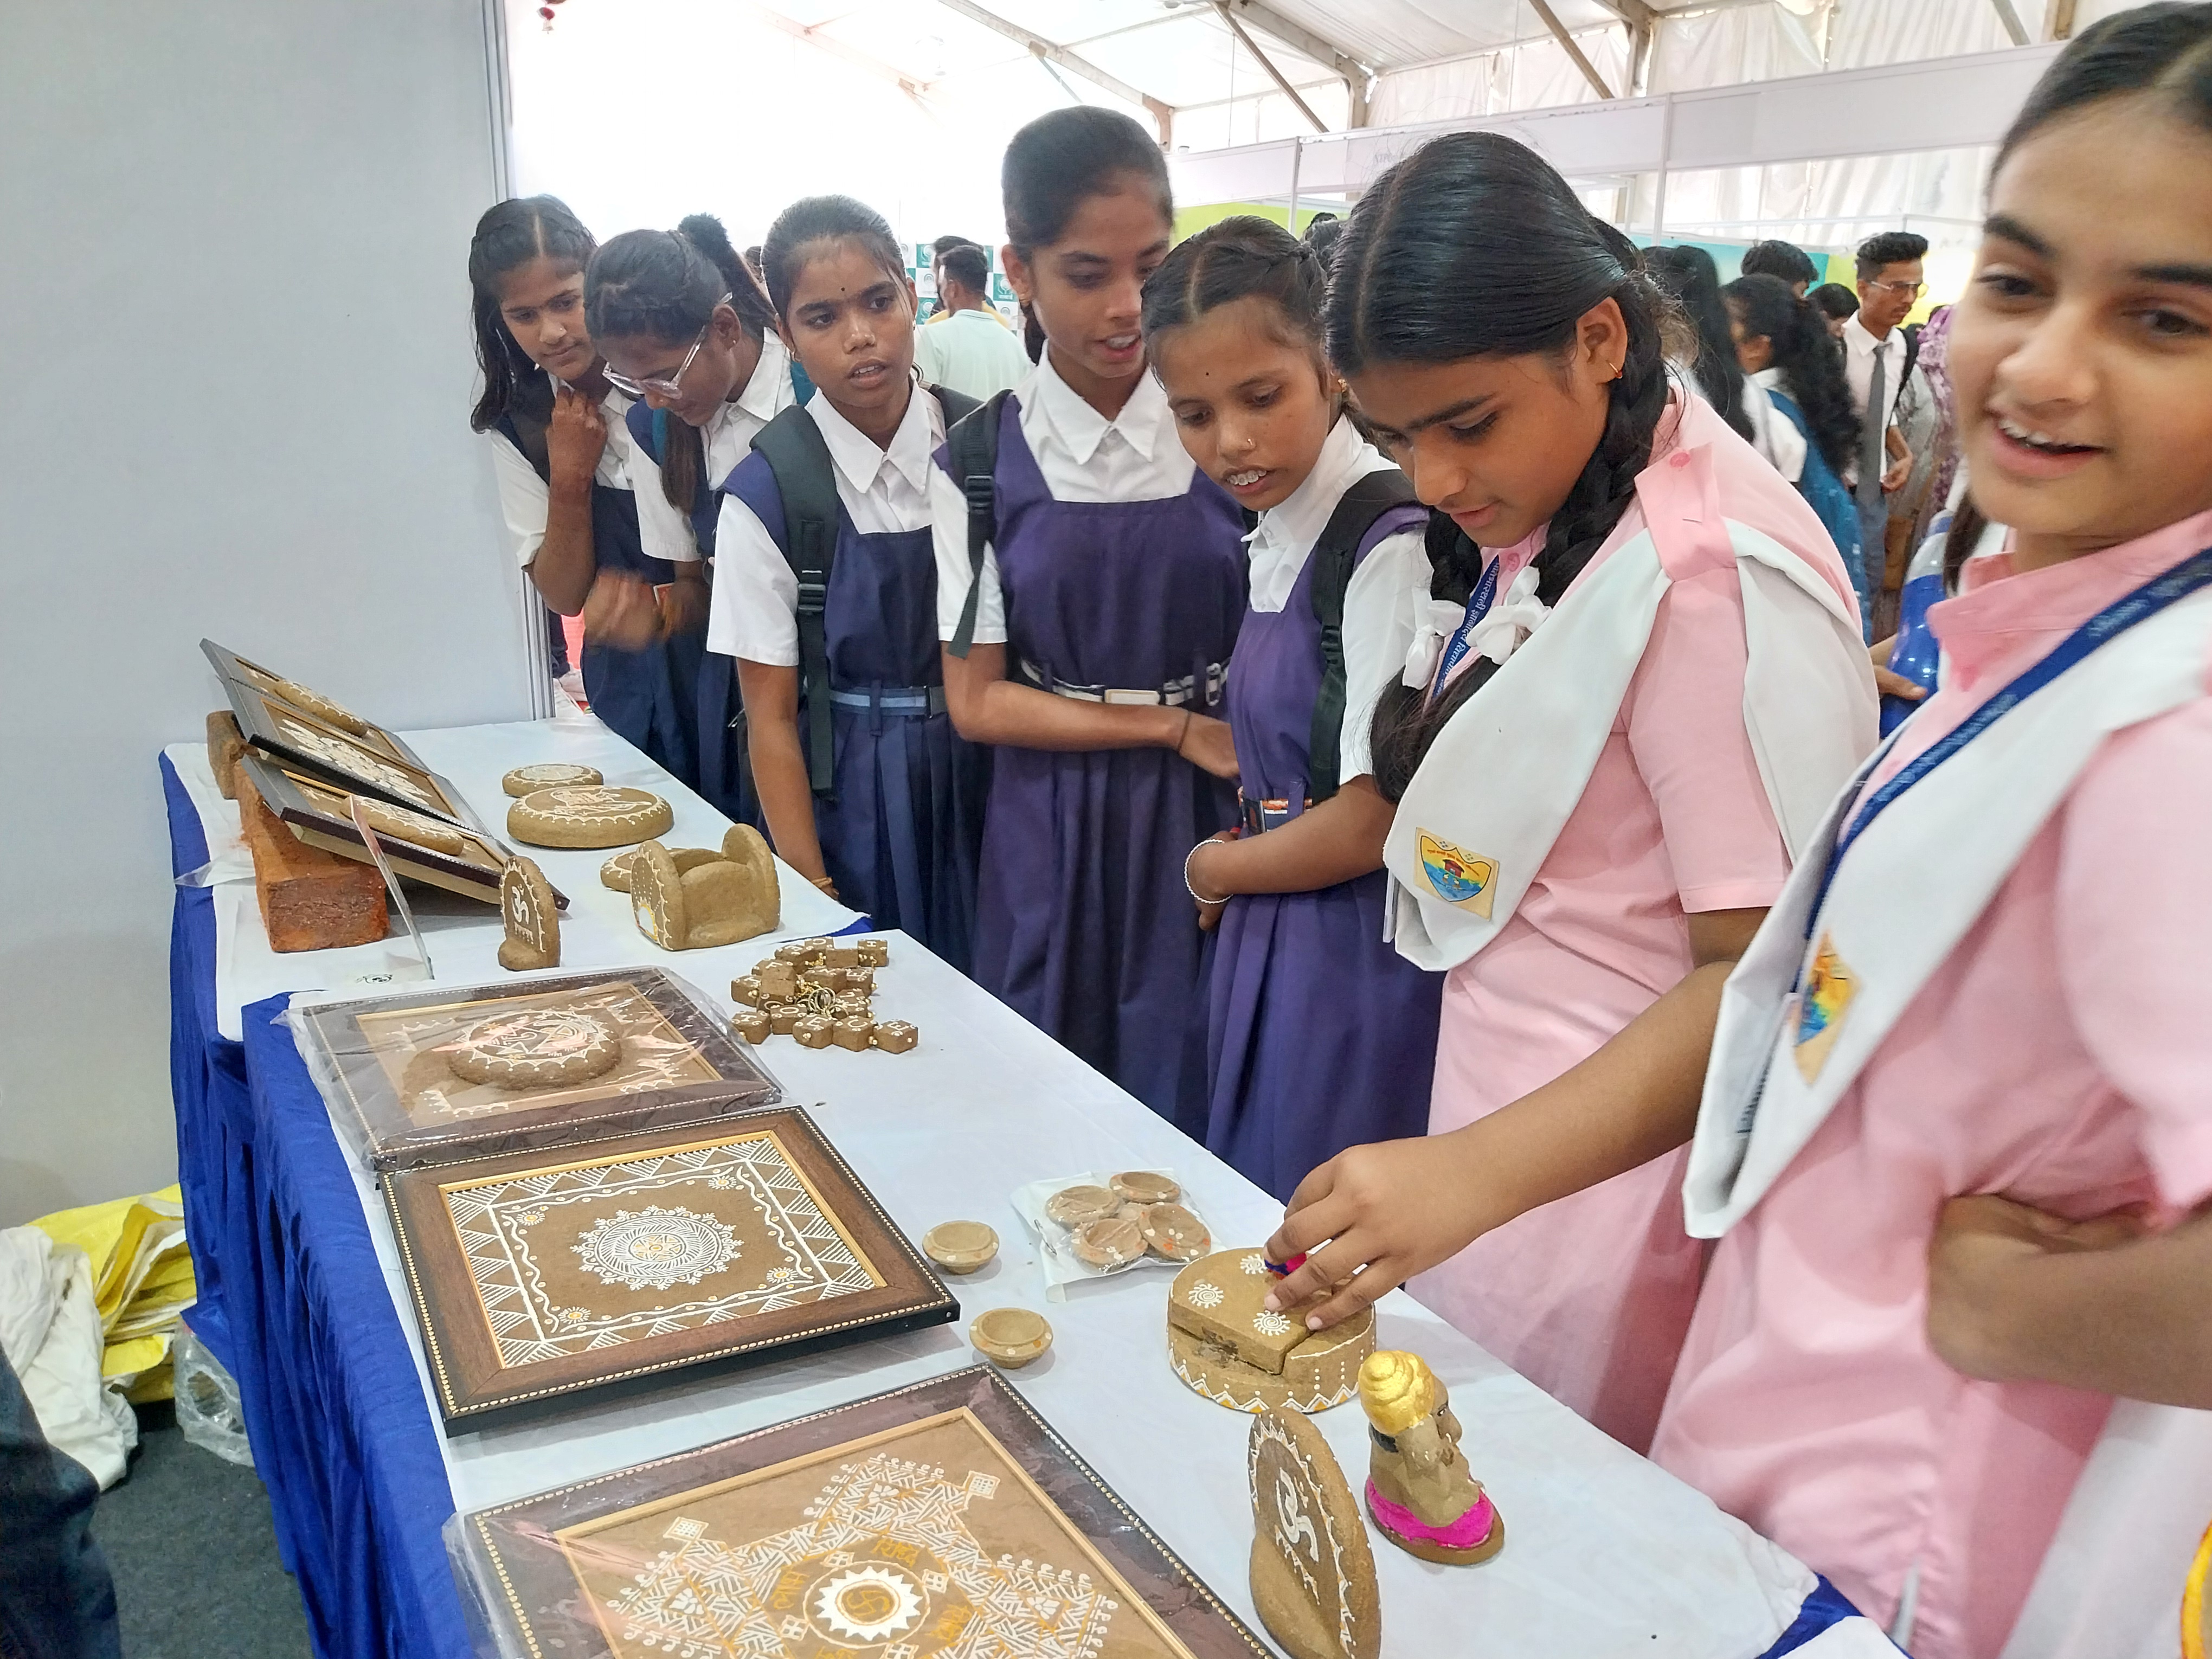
273,718
313,808
378,1062
543,1279
980,1530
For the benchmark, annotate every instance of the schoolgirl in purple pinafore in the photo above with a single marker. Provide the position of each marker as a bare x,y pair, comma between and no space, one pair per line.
1083,924
1320,1036
901,830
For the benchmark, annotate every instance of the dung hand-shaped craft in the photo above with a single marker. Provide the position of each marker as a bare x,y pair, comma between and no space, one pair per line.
1420,1489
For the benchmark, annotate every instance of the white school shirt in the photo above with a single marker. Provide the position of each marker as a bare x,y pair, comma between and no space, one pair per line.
524,499
665,530
754,611
974,353
1859,351
1773,434
1381,601
1085,457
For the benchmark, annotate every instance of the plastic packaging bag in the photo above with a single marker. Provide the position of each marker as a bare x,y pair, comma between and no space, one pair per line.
207,1402
1076,1239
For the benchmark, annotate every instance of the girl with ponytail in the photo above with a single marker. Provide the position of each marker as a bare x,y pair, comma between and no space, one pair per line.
1956,1142
1800,402
1319,1036
1637,687
689,332
1090,585
563,456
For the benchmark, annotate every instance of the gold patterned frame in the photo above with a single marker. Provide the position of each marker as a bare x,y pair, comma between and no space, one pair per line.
520,1556
476,1388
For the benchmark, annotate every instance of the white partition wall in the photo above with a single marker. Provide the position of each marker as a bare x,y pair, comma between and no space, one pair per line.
234,324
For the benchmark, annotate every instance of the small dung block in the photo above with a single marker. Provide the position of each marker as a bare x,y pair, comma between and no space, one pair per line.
896,1036
853,1033
811,1031
840,956
778,980
747,991
752,1025
859,979
784,1018
799,952
850,1005
873,952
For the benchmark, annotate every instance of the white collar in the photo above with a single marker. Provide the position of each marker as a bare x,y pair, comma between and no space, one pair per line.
762,396
1295,524
1769,378
1083,429
1861,338
857,460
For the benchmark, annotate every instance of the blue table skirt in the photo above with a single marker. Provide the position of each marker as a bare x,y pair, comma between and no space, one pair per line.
293,1304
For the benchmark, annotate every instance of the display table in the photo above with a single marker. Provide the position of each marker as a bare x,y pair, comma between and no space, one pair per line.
1609,1555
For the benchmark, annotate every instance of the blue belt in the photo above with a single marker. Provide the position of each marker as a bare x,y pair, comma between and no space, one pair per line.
893,699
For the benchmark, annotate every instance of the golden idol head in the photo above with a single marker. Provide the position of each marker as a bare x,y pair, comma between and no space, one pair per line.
1397,1390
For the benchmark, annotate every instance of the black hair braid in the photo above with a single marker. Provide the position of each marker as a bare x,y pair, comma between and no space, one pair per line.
754,310
1420,275
1812,369
510,234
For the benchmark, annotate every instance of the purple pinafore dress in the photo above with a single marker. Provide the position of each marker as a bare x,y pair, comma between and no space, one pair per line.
1320,1036
901,833
1083,925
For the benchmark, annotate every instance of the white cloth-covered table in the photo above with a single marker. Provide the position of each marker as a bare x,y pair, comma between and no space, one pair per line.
1607,1555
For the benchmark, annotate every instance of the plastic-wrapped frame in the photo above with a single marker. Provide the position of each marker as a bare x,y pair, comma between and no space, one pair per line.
383,1065
944,1518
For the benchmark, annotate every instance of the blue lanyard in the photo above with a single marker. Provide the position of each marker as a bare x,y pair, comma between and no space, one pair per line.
2108,624
1477,607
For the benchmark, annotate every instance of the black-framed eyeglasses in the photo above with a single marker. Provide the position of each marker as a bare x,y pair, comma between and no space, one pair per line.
672,387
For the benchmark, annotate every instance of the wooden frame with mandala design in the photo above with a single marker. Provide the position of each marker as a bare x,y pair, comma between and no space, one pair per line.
273,719
382,1065
619,1264
983,1530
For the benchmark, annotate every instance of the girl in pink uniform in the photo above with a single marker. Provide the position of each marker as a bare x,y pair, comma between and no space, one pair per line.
1641,687
1957,1134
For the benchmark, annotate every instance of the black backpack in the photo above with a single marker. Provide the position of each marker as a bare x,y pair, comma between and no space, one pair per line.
972,446
806,478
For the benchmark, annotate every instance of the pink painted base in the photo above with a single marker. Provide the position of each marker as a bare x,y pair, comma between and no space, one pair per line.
1467,1533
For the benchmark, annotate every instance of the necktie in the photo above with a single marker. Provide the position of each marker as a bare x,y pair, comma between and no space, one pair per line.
1874,454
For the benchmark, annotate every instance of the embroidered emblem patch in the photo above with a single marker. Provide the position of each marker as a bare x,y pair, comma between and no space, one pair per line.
1829,988
1458,877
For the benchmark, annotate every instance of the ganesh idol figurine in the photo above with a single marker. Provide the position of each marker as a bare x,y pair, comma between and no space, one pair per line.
1420,1489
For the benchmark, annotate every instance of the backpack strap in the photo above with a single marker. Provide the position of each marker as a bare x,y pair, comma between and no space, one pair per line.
806,478
972,446
1335,554
957,405
648,428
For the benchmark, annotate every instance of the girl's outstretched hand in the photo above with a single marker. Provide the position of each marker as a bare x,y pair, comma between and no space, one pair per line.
1208,744
1367,1221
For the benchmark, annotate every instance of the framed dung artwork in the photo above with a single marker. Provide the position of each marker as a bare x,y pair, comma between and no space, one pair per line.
526,1065
308,731
424,849
938,1521
543,1278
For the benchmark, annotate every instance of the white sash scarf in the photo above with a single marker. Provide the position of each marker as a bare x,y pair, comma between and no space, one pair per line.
1500,781
1915,879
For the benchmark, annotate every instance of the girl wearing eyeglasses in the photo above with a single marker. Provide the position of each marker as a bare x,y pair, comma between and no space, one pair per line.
1089,609
688,332
562,457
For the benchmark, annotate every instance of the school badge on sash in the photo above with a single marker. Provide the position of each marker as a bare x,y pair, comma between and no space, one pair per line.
1826,998
1458,877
